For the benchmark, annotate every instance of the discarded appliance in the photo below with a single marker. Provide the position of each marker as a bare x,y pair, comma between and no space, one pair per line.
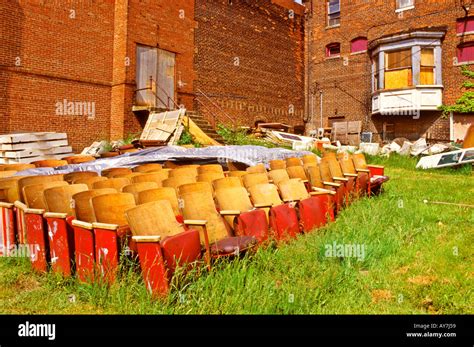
459,157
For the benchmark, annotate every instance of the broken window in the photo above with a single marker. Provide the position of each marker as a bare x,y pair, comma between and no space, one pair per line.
333,50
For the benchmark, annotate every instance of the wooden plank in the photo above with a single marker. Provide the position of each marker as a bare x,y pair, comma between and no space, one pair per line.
354,127
32,159
33,145
35,152
31,137
160,126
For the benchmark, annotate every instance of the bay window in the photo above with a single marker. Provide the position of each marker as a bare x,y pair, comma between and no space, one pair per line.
407,61
407,73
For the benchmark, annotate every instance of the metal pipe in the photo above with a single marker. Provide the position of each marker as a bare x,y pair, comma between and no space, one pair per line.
321,106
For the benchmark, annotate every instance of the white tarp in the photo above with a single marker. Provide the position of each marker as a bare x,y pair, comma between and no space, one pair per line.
249,155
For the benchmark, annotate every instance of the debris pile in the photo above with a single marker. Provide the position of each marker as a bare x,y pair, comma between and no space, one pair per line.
25,148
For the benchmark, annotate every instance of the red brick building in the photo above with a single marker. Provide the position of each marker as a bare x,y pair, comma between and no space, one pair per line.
250,60
84,67
389,64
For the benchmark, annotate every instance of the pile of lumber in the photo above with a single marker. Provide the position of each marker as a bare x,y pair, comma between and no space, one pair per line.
30,147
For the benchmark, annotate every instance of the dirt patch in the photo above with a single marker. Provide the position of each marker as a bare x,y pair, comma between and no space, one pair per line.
26,283
381,295
401,271
422,280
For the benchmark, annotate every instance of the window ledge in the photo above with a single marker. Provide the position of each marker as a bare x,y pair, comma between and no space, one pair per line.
420,86
333,57
333,26
465,33
464,63
359,52
398,10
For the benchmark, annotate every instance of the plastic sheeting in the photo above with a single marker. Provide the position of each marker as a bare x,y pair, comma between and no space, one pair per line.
249,155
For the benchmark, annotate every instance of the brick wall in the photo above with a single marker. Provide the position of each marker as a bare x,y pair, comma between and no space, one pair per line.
249,60
84,51
53,51
346,81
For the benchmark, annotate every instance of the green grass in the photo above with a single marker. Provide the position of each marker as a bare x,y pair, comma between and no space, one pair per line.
419,259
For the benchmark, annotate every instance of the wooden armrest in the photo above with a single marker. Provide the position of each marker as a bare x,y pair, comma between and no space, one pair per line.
332,184
81,224
350,175
152,238
55,215
341,179
326,191
105,226
262,205
291,200
229,212
363,170
318,193
198,222
376,166
35,211
20,205
6,205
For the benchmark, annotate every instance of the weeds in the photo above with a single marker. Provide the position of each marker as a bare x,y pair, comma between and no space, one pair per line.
419,260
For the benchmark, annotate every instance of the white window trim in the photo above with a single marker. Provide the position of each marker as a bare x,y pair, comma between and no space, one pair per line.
465,33
398,10
415,41
328,14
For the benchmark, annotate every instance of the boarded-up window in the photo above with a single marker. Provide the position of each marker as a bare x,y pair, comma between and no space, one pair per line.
398,69
466,52
359,44
465,25
427,67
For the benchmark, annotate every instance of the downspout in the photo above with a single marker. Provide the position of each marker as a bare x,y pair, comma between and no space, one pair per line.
451,127
321,107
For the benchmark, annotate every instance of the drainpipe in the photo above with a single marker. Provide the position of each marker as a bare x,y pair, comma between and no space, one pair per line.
451,127
321,106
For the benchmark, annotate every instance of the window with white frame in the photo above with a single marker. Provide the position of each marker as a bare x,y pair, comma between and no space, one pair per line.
407,61
405,4
334,12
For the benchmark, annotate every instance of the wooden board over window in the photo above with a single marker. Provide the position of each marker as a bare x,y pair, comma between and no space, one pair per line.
398,69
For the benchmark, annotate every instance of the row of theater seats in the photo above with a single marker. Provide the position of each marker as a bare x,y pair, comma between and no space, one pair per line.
83,222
